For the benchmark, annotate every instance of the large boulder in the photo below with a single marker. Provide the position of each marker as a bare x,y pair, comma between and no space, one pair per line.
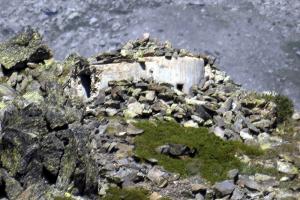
23,48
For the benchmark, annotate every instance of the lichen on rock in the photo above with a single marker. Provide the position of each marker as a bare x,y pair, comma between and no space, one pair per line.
23,48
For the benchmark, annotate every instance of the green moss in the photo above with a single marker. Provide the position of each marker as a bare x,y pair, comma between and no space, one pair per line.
214,156
11,160
63,198
253,169
115,193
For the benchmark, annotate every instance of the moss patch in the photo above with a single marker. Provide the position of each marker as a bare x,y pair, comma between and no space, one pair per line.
115,193
63,198
214,156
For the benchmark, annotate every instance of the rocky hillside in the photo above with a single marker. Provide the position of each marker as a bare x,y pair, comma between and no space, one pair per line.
138,139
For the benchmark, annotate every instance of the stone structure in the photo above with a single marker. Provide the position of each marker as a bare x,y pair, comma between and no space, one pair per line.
181,72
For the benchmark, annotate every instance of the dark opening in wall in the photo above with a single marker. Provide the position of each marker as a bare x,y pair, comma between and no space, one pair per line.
143,65
2,190
51,178
179,86
86,84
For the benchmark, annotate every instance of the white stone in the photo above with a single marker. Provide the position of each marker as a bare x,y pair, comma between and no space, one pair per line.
284,179
156,175
134,109
286,168
296,116
245,134
219,132
197,119
193,101
150,95
155,196
191,124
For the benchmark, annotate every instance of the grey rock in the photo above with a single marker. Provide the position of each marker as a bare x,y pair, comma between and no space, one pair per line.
245,134
113,104
176,150
12,187
225,187
197,119
233,174
199,196
157,176
12,81
226,106
6,92
237,194
296,116
111,111
134,109
132,130
263,124
25,47
150,95
286,168
202,112
249,183
218,120
218,131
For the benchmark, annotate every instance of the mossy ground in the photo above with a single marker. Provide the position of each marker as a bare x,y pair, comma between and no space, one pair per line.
115,193
214,156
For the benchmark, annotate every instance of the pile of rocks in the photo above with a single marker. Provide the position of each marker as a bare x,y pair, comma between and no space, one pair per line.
135,51
233,113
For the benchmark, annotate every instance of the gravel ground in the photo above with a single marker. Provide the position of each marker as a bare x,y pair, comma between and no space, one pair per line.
256,41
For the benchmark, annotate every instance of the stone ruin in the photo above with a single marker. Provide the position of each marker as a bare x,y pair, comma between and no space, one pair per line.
182,72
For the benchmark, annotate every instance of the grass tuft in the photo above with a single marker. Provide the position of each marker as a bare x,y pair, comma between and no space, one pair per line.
214,156
115,193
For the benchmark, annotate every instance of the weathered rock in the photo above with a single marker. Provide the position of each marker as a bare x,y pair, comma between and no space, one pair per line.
132,130
219,132
237,194
248,183
191,124
176,150
7,92
155,196
23,48
225,187
52,150
134,109
12,188
233,174
202,112
196,188
157,176
245,134
296,116
286,168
